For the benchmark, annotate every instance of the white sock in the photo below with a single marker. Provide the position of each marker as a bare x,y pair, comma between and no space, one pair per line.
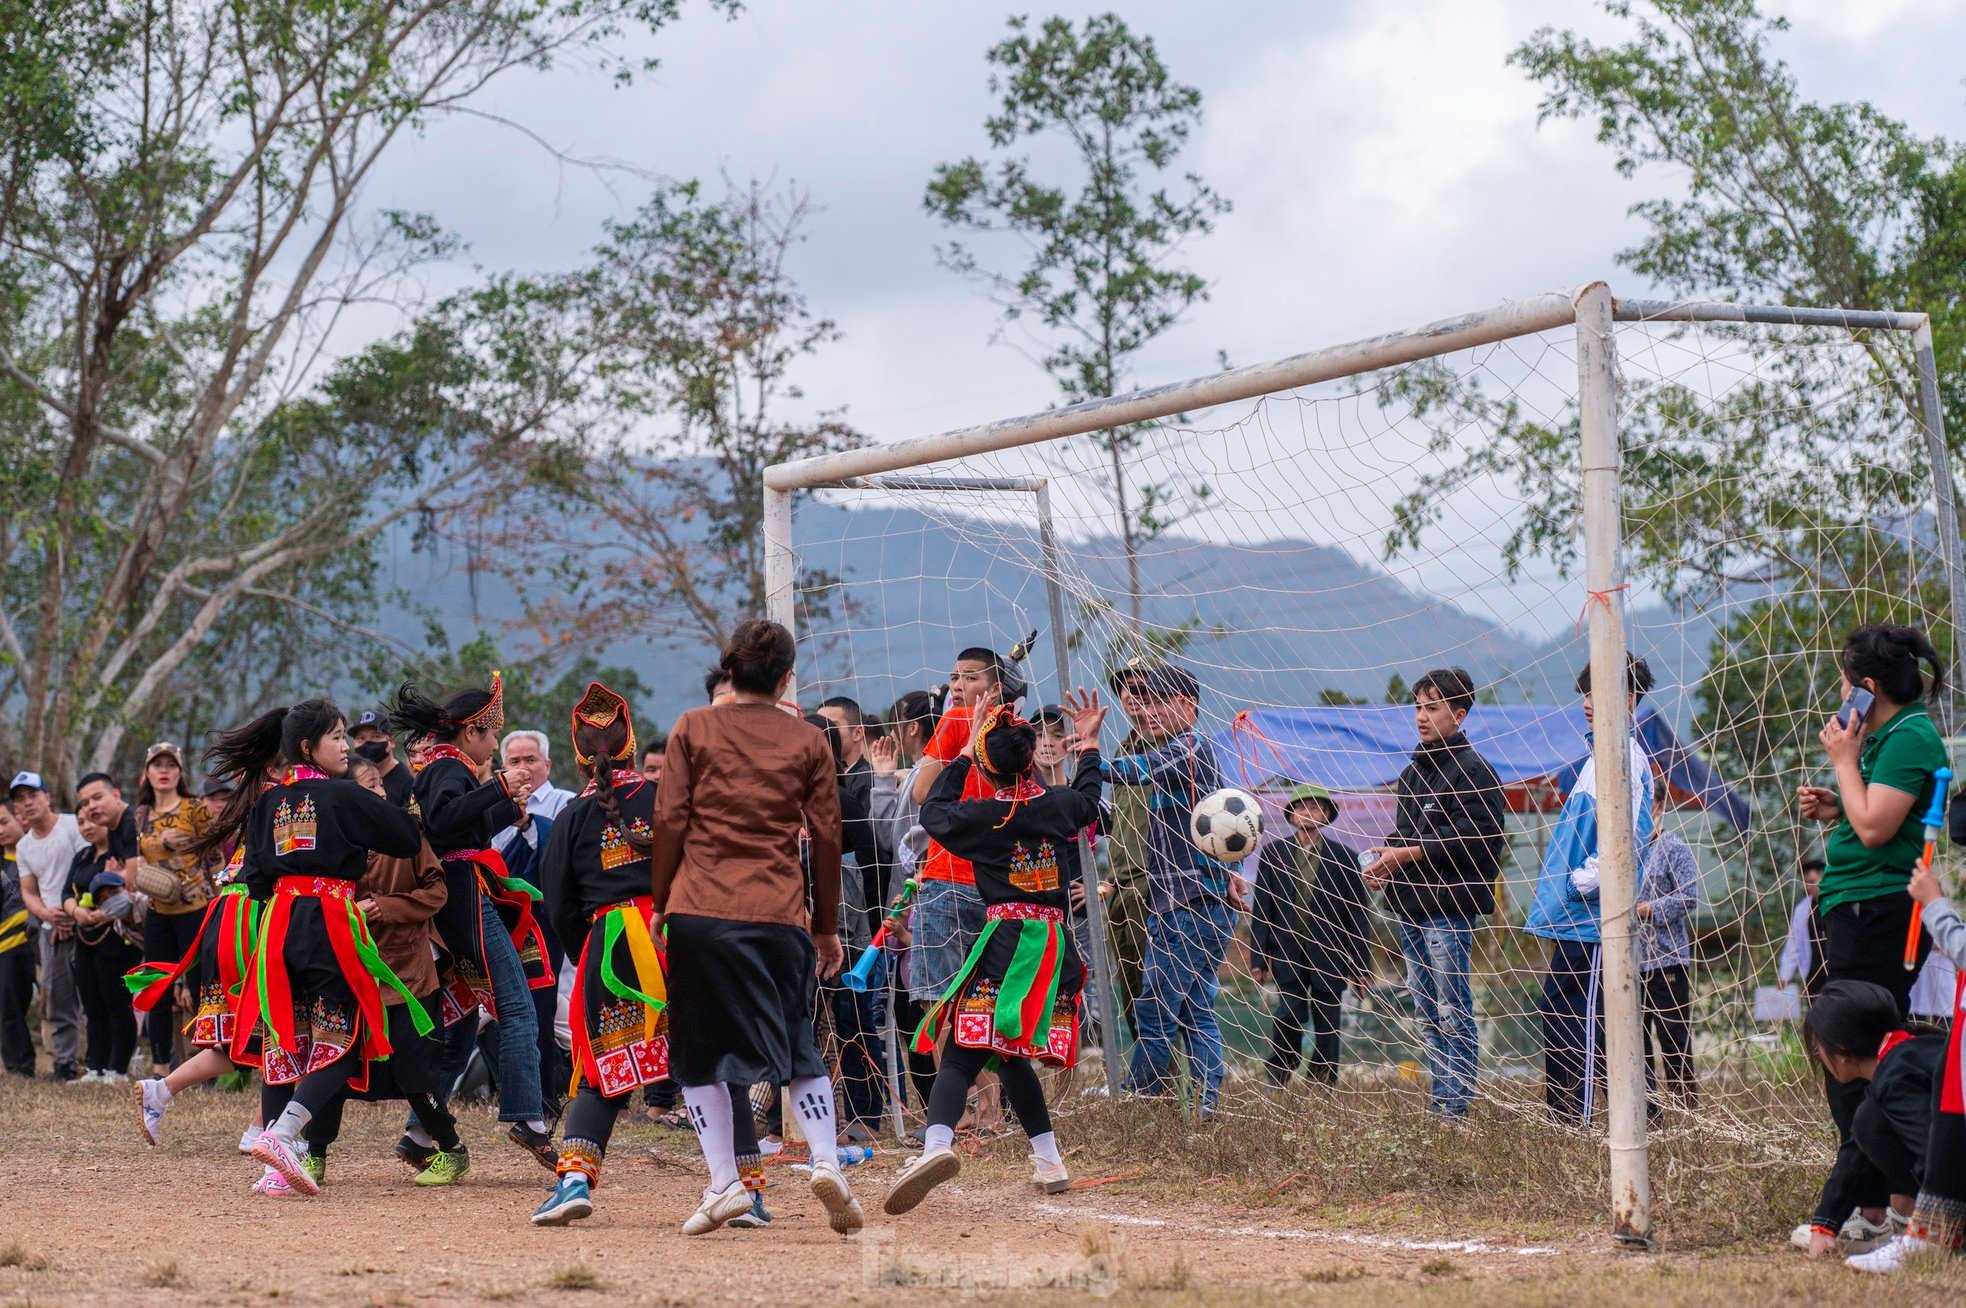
813,1097
292,1122
420,1137
1046,1147
938,1137
536,1124
709,1113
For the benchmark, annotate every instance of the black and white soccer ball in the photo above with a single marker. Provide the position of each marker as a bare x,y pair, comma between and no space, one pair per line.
1227,825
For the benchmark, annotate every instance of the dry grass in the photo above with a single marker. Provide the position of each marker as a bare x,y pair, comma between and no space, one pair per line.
574,1276
19,1256
166,1275
1372,1157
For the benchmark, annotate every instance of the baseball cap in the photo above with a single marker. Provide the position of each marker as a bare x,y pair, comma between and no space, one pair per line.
1050,713
1155,678
26,780
369,718
163,747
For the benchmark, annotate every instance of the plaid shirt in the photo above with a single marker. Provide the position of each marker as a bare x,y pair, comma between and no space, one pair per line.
1180,773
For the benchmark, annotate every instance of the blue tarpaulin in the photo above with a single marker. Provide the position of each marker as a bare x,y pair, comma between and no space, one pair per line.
1363,747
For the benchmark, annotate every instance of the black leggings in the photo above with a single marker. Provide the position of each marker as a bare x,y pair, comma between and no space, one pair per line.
314,1091
960,1068
591,1117
324,1128
166,938
106,1002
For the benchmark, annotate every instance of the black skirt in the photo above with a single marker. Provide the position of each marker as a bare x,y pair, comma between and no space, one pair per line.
417,1064
741,998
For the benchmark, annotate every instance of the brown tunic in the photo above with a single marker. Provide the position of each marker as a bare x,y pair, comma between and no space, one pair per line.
740,781
407,893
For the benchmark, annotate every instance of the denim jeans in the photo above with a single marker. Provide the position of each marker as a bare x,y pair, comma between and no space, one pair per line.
518,1025
1437,953
1178,984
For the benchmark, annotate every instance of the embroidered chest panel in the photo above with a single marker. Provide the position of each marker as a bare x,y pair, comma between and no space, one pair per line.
615,849
1034,872
293,826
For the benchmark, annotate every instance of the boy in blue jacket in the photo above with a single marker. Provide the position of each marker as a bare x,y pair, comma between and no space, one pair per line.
1565,913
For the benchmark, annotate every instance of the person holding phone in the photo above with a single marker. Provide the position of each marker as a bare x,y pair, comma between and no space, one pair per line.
1884,754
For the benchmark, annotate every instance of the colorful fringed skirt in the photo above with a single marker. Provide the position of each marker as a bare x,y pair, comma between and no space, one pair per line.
216,967
1017,994
471,876
618,1011
315,992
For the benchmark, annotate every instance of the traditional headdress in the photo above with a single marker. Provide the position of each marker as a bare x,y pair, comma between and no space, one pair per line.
1021,788
598,708
492,715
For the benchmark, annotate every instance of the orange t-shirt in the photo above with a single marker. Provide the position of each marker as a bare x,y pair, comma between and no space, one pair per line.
951,739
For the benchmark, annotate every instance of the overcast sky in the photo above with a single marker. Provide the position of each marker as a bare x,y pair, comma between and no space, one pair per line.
1385,166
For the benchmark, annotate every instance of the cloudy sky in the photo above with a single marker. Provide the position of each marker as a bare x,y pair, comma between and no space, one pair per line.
1385,166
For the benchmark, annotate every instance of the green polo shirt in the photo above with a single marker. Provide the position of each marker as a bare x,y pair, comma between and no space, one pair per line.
1902,754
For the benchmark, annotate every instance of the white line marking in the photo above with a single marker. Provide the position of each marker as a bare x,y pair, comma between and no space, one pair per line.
1291,1233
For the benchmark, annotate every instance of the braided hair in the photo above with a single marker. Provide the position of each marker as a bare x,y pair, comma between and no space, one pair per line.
601,744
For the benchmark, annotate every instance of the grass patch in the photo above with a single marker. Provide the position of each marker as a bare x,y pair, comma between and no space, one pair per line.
574,1276
16,1255
166,1276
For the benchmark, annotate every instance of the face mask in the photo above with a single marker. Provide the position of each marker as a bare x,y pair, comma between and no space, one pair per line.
373,750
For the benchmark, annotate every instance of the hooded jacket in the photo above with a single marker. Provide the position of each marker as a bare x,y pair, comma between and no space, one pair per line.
1561,911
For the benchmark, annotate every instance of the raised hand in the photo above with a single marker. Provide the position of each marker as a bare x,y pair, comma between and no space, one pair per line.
1088,717
884,756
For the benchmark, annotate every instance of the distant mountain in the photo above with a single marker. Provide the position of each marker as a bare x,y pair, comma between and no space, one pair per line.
1279,622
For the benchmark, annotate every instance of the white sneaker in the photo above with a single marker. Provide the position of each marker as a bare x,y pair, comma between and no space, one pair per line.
247,1139
718,1207
1859,1234
842,1209
90,1077
1891,1258
151,1106
922,1174
1049,1177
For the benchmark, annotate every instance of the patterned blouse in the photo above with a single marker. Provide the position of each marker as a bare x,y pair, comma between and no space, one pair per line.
162,838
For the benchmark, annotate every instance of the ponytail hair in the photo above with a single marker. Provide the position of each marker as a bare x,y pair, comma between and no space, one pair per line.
416,714
1889,654
599,745
246,754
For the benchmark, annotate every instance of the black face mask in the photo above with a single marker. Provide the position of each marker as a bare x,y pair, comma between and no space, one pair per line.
373,750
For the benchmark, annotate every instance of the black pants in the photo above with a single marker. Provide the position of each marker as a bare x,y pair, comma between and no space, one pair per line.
167,937
1021,1086
921,1067
1297,1004
1669,1021
16,989
315,1091
1895,1162
857,1022
1572,1010
1865,941
106,1003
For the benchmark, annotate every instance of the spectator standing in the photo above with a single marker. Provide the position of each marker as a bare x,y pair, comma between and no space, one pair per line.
369,739
652,758
97,795
108,936
1565,913
169,821
1439,868
19,934
521,847
1668,892
914,717
1802,951
1192,899
48,845
1309,935
1124,887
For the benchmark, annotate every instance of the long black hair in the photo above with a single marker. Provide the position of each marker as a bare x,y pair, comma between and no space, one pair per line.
247,753
416,714
1008,750
1889,653
1851,1018
916,706
601,744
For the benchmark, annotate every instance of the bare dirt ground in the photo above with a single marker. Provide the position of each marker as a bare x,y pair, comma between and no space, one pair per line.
91,1215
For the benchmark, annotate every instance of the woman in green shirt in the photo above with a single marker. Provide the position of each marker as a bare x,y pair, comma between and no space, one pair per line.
1884,765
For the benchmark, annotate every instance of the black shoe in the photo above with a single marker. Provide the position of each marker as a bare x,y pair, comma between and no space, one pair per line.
415,1156
537,1143
65,1072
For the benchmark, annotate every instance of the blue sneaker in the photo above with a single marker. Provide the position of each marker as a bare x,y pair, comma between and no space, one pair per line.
754,1220
569,1202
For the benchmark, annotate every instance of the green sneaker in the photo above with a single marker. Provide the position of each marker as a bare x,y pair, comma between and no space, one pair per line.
447,1168
316,1168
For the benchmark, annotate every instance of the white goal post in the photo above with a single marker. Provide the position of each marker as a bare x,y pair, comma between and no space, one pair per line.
1593,311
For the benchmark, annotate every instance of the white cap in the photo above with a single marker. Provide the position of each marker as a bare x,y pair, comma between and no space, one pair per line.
32,780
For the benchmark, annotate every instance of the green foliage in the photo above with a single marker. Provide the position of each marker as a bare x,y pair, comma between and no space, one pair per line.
1103,278
1332,697
1397,691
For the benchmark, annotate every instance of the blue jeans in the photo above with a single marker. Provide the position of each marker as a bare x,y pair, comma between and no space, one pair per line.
518,1025
948,918
1178,985
1437,953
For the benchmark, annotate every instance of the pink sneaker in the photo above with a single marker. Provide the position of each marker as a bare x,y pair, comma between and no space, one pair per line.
272,1185
285,1159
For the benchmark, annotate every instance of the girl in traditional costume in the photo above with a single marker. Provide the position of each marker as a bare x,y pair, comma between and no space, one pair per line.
1015,1000
314,995
595,874
487,923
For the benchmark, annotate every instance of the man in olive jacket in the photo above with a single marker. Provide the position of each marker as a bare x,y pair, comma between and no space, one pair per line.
1439,867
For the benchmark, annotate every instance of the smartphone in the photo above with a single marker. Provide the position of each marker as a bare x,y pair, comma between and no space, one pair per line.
1855,705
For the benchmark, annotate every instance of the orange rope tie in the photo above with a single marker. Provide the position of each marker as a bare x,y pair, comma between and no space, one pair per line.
1599,596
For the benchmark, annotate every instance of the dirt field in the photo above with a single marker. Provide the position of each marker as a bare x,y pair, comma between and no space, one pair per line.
92,1215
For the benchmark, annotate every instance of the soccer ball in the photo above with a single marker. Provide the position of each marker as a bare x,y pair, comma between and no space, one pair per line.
1227,825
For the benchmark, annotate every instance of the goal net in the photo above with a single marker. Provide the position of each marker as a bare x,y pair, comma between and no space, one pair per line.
1310,553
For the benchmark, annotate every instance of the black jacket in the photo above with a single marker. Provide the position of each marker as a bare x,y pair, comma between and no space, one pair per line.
1451,806
1316,941
1897,1107
1024,852
589,863
322,828
459,812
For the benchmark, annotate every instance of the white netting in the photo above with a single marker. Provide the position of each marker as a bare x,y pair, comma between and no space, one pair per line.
1355,535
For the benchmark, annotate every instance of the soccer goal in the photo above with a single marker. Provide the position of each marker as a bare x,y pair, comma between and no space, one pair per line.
1526,492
